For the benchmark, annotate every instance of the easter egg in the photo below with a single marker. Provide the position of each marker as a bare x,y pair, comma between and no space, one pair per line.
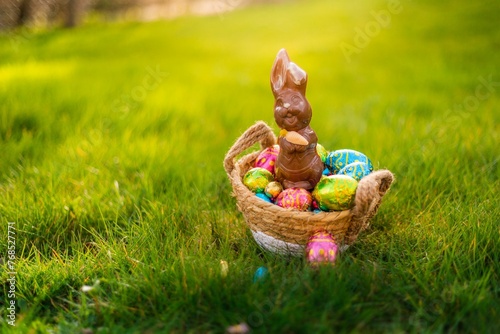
322,152
242,328
256,179
335,192
260,274
224,268
267,158
321,249
356,170
273,189
294,198
264,197
338,159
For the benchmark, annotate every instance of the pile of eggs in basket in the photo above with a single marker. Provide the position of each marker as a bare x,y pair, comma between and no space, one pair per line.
335,191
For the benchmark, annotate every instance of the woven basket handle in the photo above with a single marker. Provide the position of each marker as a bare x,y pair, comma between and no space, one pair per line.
259,132
369,195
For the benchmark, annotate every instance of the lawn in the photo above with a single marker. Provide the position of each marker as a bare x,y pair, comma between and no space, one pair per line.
112,137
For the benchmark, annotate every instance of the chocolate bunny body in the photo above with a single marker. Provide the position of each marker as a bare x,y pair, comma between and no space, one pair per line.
298,164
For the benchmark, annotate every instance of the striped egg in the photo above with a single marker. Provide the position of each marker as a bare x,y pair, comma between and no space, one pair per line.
294,198
338,159
321,249
356,170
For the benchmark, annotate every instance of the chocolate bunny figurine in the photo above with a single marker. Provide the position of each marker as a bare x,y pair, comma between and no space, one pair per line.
298,164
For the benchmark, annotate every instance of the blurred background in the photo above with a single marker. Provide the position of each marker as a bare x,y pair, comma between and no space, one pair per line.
113,134
71,13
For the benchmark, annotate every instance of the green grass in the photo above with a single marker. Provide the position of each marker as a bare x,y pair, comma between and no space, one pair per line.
113,176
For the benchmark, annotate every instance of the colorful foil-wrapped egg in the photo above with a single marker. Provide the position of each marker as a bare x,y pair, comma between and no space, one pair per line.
338,159
273,189
356,170
294,198
267,158
322,152
335,192
256,179
260,275
263,197
321,249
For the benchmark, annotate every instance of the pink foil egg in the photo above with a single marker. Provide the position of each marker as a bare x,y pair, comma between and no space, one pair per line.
294,198
321,249
267,158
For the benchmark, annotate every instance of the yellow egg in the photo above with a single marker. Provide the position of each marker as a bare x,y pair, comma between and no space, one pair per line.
273,189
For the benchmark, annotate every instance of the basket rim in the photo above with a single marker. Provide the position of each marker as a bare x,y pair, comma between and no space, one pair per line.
294,225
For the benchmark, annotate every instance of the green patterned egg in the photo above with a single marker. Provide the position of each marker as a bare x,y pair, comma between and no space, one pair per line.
335,192
256,179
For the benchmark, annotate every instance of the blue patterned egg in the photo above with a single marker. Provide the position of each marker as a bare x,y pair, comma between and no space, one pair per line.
356,170
338,159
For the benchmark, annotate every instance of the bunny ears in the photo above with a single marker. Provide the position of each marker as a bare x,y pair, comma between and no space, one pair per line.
286,74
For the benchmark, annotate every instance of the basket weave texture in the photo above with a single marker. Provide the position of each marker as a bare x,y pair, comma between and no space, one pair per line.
292,226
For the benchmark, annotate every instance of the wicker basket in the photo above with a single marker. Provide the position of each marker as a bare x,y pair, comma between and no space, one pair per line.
286,231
